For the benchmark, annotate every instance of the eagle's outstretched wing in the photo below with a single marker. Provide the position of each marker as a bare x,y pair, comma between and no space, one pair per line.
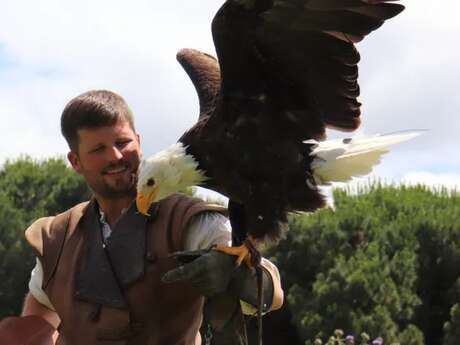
288,69
203,69
298,57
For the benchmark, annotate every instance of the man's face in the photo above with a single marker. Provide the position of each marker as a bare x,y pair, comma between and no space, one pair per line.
108,158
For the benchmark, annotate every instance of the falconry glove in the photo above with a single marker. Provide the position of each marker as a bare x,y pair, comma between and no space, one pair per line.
214,273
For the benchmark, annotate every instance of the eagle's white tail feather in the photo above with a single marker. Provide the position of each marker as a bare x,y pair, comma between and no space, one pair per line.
341,160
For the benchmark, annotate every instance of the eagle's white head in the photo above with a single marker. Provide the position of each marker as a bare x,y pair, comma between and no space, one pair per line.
167,172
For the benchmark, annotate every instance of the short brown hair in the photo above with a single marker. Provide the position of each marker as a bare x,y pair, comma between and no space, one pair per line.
93,109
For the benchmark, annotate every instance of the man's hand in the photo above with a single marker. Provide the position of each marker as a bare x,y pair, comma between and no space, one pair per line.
209,271
26,330
215,273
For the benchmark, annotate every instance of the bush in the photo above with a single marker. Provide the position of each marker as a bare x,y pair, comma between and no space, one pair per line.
386,262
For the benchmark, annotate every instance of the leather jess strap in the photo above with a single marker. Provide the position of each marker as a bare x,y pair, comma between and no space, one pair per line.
26,330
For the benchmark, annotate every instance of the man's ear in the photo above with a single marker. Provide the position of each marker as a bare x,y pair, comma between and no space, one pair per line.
74,161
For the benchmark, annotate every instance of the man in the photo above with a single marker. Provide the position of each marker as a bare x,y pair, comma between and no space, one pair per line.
101,270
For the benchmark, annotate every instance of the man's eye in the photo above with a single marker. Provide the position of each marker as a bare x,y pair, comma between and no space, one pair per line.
123,143
150,182
97,149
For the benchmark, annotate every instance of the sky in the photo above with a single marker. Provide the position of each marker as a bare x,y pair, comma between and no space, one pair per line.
53,50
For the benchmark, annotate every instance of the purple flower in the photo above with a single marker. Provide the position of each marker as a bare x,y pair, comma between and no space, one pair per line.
377,341
350,339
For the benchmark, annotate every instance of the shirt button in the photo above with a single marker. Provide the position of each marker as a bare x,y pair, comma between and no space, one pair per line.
151,257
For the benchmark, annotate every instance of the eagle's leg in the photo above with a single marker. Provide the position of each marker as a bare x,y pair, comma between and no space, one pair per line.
243,245
246,252
245,249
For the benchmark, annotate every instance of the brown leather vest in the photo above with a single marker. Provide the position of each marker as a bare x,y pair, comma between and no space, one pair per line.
139,309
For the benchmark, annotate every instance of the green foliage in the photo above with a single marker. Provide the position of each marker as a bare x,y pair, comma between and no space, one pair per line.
41,187
452,327
13,256
385,262
29,189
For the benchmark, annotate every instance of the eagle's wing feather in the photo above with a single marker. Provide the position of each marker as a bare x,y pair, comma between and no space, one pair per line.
341,160
298,53
203,70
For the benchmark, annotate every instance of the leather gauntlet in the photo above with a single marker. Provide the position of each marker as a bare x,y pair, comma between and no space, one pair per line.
214,273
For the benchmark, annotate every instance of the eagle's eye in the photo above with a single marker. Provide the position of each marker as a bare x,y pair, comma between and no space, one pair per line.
150,182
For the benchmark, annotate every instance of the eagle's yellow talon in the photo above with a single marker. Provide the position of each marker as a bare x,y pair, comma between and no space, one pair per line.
242,252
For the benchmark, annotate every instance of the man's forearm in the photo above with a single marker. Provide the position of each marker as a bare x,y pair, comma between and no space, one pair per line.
36,326
246,287
27,330
214,273
33,307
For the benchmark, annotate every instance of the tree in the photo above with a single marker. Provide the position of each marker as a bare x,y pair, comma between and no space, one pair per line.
385,262
452,328
29,189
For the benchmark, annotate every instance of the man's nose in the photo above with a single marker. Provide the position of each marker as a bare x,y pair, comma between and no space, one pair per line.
115,154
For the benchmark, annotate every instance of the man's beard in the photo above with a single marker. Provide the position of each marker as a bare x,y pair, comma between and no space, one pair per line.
119,188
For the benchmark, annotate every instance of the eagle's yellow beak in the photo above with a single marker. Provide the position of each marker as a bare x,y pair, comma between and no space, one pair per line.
144,201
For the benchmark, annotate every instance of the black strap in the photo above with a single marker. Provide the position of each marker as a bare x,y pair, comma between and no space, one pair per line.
223,322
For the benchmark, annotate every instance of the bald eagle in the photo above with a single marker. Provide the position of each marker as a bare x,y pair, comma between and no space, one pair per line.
286,71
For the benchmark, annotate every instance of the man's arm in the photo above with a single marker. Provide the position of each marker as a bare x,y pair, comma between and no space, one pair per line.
215,271
36,325
36,301
33,307
38,322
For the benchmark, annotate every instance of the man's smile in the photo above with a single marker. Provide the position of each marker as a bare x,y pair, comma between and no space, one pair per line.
115,170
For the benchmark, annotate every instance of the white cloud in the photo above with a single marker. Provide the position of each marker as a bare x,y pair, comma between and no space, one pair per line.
58,49
435,181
